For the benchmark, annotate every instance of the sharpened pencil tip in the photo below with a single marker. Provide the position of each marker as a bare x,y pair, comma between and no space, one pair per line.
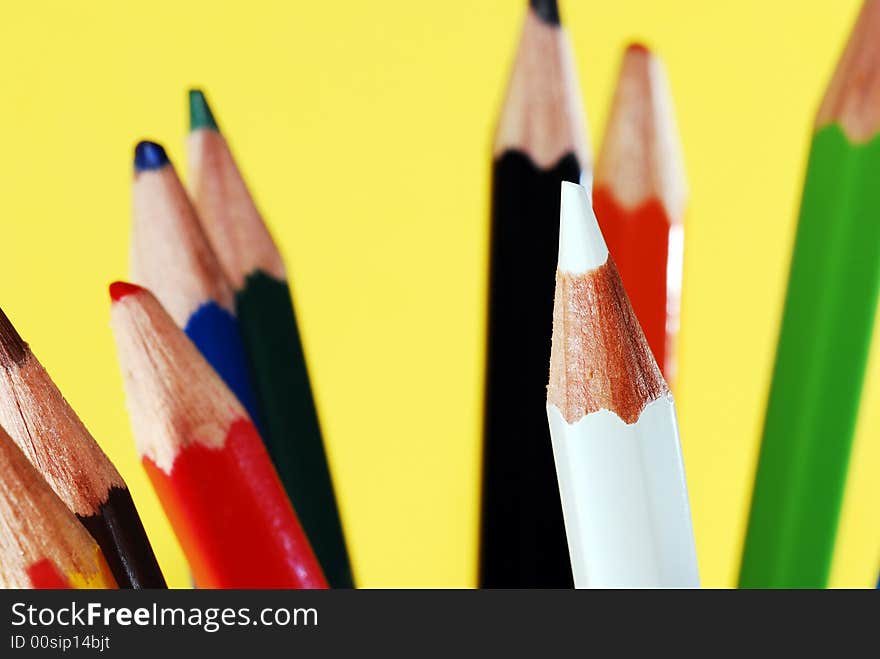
13,349
547,10
119,289
581,244
148,156
200,115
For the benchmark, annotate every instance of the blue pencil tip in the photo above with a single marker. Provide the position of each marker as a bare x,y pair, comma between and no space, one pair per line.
149,155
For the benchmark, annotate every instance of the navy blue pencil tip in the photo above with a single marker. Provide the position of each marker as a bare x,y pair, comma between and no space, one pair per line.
149,155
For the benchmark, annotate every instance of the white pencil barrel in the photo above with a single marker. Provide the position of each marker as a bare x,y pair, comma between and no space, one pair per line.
624,499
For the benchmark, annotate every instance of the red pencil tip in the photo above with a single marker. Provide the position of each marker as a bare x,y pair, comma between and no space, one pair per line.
119,289
638,47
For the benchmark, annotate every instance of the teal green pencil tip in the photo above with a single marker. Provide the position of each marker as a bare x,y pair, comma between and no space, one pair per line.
200,115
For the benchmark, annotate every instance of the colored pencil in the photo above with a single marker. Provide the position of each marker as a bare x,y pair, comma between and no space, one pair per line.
639,195
42,545
613,424
205,458
269,327
540,141
51,435
171,256
825,332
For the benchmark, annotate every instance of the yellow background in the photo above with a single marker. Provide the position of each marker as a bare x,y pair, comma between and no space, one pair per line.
364,129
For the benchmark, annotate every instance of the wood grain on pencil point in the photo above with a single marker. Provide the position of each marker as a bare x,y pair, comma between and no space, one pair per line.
170,253
612,424
13,349
54,439
179,398
639,196
641,158
542,114
206,460
149,156
546,10
230,218
38,418
599,358
42,545
119,289
853,96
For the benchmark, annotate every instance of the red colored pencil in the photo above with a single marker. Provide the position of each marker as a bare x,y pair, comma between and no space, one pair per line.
205,458
639,195
42,545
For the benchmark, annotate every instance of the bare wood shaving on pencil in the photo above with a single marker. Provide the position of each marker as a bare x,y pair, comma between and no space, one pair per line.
641,155
853,97
48,431
599,358
12,347
171,253
174,398
35,525
234,226
542,115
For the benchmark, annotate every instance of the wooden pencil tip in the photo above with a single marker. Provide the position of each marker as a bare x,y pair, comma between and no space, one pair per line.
852,99
149,156
547,10
119,289
200,115
13,349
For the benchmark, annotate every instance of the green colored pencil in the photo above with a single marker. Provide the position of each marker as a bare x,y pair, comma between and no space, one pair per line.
825,334
269,328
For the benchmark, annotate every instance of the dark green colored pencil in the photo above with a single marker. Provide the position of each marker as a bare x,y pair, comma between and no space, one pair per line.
268,325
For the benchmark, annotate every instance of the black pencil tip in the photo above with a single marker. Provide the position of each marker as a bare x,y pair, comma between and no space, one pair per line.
13,349
547,10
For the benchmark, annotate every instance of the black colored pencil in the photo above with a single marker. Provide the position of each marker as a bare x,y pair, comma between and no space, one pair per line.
540,142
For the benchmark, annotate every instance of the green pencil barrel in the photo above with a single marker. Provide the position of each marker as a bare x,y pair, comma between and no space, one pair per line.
290,419
820,365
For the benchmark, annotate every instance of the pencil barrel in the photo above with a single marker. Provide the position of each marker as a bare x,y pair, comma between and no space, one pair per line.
523,542
233,518
118,530
820,366
642,242
215,332
290,418
625,499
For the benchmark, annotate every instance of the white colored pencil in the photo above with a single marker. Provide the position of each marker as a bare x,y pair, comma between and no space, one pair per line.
613,425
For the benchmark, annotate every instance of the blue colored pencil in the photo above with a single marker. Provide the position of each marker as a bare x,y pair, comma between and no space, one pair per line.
171,256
